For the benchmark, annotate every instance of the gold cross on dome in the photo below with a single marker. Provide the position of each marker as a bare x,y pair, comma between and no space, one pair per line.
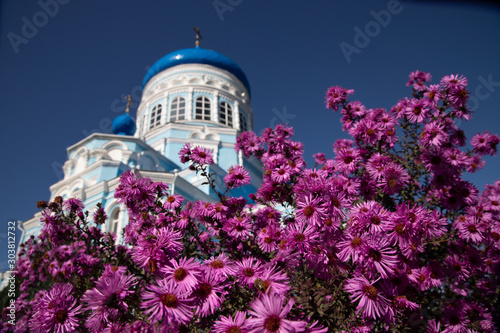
198,36
129,103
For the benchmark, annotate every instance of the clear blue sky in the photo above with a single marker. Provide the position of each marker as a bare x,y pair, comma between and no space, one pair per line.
66,77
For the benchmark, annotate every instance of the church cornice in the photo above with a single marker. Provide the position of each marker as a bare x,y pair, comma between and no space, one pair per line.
104,136
189,127
207,74
71,179
32,222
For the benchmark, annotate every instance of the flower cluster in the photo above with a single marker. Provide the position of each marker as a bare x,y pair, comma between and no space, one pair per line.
383,235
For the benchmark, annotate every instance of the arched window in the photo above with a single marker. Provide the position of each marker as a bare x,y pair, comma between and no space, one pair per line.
178,109
113,221
155,117
243,122
202,108
225,114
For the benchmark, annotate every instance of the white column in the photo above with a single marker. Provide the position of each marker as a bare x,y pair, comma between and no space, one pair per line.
145,117
236,115
164,111
121,224
189,105
215,107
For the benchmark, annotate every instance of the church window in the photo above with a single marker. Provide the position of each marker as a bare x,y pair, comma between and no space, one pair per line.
178,109
243,122
155,117
225,114
113,221
202,108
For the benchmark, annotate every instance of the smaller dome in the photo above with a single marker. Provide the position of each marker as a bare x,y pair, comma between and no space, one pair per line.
123,125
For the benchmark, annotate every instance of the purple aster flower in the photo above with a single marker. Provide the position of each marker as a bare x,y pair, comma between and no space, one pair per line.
433,326
237,176
433,159
454,82
269,315
107,299
267,237
315,328
134,190
167,302
319,158
433,94
376,165
433,134
455,319
402,302
202,156
155,249
247,270
342,144
238,228
209,294
399,109
417,79
417,110
457,135
485,143
458,266
336,96
475,163
470,228
137,326
394,178
377,256
74,205
249,143
350,247
173,201
346,160
185,153
373,303
421,277
310,210
367,130
456,157
184,273
219,211
301,236
272,280
230,324
220,265
110,271
114,328
492,202
281,174
55,311
100,215
368,216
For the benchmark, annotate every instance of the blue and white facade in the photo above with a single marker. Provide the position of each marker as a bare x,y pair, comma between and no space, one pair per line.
192,95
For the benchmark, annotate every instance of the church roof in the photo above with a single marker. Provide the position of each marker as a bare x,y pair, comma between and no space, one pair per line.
123,125
197,55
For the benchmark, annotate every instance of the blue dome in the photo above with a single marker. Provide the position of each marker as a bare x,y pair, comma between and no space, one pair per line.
196,56
123,125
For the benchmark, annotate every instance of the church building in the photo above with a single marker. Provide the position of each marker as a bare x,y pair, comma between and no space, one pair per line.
191,95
